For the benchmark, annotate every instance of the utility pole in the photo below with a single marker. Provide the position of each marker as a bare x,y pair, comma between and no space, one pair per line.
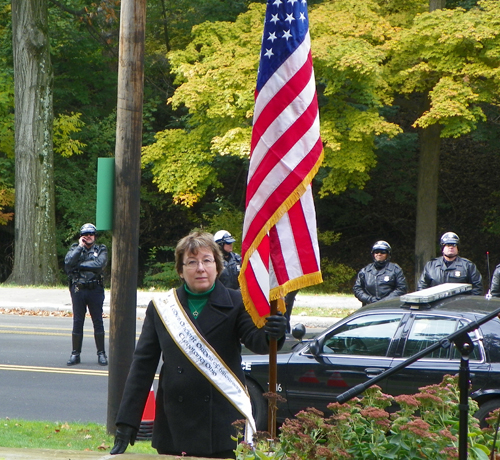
124,267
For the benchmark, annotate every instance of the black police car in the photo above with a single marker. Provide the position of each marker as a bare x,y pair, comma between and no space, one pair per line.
378,337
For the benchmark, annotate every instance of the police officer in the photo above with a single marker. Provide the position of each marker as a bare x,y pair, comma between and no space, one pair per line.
450,268
232,261
495,282
84,264
381,279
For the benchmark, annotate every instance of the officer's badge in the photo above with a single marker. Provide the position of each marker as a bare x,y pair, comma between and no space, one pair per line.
386,278
457,274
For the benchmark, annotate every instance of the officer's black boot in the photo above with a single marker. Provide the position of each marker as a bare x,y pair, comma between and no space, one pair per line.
77,349
102,359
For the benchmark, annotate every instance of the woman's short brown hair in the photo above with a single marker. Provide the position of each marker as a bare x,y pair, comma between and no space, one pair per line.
192,243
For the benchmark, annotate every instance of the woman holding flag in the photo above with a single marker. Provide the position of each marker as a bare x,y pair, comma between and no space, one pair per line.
198,329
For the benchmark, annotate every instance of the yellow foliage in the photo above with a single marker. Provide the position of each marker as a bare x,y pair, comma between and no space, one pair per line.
234,142
64,126
454,55
364,53
216,74
452,100
6,199
181,164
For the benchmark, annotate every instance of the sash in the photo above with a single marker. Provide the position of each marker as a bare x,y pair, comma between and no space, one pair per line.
204,357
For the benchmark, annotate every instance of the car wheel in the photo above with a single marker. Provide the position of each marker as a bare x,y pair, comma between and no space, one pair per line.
485,409
259,405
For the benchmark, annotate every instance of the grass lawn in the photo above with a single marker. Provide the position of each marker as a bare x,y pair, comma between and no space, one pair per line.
54,435
322,311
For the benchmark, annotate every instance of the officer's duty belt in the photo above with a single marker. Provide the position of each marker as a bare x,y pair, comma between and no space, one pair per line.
88,285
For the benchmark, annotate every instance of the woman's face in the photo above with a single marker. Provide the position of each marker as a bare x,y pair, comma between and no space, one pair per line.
199,271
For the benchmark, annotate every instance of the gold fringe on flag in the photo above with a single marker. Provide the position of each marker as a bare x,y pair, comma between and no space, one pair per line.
301,282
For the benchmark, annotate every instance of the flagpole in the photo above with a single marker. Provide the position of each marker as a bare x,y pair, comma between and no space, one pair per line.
273,353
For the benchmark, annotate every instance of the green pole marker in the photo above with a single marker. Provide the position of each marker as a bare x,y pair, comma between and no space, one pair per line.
105,193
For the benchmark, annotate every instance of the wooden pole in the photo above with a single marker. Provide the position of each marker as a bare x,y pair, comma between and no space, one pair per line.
124,267
273,377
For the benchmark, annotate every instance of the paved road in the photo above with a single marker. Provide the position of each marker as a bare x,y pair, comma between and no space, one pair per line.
37,384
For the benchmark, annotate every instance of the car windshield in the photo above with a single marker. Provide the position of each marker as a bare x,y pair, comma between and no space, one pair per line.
365,335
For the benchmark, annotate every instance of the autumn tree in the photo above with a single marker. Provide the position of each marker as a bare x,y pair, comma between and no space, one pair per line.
450,59
216,74
349,46
35,260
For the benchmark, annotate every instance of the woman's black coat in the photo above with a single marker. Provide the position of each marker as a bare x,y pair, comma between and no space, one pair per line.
192,416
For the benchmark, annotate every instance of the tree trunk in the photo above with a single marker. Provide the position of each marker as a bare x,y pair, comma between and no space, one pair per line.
35,257
436,4
165,26
427,193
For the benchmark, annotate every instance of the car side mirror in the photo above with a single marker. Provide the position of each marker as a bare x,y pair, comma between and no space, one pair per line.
315,347
299,331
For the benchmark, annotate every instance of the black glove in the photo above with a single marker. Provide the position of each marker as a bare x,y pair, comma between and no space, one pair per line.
125,435
275,326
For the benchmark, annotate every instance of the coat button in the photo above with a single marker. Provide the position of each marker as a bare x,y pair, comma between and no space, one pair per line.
207,398
180,370
181,399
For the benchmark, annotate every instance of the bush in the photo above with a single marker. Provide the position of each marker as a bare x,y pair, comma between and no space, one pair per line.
226,217
336,278
363,429
161,273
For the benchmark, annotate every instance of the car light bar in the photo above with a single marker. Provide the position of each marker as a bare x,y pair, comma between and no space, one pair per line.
436,292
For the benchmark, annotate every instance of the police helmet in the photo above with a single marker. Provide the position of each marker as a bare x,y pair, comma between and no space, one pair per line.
382,246
450,238
88,228
223,237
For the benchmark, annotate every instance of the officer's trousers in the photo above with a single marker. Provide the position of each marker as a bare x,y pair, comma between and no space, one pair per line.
91,298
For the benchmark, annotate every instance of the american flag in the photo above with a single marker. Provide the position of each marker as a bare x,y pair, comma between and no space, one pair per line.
280,247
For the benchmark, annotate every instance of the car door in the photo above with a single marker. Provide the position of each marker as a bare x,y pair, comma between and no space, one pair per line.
422,331
348,355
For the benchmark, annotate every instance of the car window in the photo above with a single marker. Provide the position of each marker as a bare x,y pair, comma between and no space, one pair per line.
427,330
366,335
476,352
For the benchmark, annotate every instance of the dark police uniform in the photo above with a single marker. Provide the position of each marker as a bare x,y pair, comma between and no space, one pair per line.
232,267
84,268
374,284
461,270
495,282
